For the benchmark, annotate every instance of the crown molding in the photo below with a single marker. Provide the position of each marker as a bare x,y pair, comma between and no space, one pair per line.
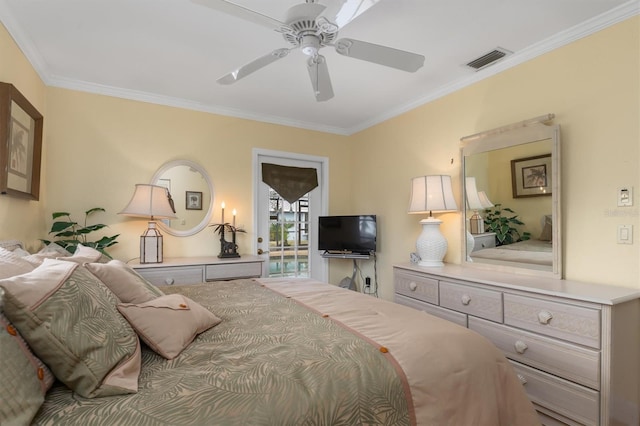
591,26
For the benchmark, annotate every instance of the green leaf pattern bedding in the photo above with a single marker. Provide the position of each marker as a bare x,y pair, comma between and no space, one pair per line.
272,361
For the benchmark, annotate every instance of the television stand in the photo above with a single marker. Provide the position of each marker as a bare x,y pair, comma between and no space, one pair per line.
355,257
346,255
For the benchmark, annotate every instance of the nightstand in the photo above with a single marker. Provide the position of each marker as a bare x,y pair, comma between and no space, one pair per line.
195,270
485,240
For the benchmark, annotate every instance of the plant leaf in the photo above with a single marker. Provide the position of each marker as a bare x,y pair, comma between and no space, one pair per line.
59,214
93,210
60,226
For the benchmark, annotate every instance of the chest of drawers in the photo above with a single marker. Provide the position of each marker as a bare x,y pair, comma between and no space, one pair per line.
194,270
575,346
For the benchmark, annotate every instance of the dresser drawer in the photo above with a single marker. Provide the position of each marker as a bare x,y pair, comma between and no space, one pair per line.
472,300
416,286
455,317
231,271
576,324
568,361
172,275
565,398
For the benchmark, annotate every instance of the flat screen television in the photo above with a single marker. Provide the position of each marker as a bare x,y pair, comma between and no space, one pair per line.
350,234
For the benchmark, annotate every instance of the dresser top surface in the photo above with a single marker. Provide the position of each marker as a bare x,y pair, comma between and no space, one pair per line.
196,260
597,293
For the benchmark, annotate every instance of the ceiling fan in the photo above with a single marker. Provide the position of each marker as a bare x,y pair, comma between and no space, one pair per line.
311,26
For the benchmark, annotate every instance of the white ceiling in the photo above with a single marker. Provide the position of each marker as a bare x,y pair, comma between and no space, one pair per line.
172,51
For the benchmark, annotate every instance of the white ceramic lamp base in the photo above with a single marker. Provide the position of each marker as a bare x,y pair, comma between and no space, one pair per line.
431,244
471,243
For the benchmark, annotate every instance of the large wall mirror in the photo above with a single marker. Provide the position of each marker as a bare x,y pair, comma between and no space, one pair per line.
192,193
507,172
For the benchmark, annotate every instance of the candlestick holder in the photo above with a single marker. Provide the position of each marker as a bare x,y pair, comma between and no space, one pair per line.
228,249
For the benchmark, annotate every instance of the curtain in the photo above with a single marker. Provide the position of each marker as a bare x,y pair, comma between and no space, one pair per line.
290,182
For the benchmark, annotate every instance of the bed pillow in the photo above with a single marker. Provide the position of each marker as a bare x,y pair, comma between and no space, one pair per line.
70,320
546,234
11,264
169,323
50,251
124,282
84,254
24,379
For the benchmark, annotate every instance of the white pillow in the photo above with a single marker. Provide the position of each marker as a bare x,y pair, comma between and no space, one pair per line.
11,264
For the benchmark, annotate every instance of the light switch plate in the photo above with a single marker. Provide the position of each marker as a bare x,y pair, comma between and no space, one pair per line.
625,234
625,196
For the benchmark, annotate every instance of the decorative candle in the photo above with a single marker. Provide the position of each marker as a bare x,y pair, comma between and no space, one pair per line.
222,212
234,218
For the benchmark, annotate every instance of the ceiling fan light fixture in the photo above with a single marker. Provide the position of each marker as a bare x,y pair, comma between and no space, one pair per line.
310,45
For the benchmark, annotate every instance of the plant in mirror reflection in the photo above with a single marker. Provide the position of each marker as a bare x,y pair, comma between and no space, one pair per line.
498,220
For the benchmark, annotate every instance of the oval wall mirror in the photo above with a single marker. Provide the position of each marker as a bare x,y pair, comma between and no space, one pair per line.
511,188
192,193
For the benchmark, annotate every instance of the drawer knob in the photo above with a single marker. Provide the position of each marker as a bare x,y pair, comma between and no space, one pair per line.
466,299
544,317
522,379
521,346
413,286
169,281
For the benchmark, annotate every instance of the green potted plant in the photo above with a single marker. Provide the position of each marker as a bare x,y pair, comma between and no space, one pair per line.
69,233
504,225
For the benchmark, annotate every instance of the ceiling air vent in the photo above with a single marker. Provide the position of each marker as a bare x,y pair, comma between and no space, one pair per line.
488,58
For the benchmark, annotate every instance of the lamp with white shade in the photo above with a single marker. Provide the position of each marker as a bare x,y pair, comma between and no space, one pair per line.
431,194
154,202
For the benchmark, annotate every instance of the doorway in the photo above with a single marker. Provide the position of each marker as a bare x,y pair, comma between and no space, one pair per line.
286,232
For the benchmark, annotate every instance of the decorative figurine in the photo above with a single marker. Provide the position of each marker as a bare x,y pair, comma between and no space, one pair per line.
228,249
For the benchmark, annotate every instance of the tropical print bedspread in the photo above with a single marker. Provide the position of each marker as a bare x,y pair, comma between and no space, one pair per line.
272,361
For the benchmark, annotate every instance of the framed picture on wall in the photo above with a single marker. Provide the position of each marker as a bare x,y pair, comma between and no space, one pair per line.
193,200
531,176
20,144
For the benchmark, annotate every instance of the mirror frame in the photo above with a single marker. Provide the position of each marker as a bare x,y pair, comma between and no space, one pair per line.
528,131
205,220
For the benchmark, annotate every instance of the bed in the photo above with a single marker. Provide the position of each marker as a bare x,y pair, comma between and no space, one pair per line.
281,351
533,253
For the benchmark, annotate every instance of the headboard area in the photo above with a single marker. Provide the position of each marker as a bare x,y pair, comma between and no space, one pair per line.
10,245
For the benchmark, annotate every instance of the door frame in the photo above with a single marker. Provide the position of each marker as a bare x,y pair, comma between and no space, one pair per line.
320,269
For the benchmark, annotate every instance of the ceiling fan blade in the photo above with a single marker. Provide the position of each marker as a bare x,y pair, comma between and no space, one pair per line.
320,80
253,66
394,58
341,12
244,13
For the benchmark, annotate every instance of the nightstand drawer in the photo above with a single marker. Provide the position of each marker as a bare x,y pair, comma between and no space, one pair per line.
566,360
482,241
233,270
174,275
416,286
482,303
449,315
572,323
565,398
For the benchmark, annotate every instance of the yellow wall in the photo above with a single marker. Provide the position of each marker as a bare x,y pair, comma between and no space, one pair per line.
22,219
97,147
592,85
104,145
